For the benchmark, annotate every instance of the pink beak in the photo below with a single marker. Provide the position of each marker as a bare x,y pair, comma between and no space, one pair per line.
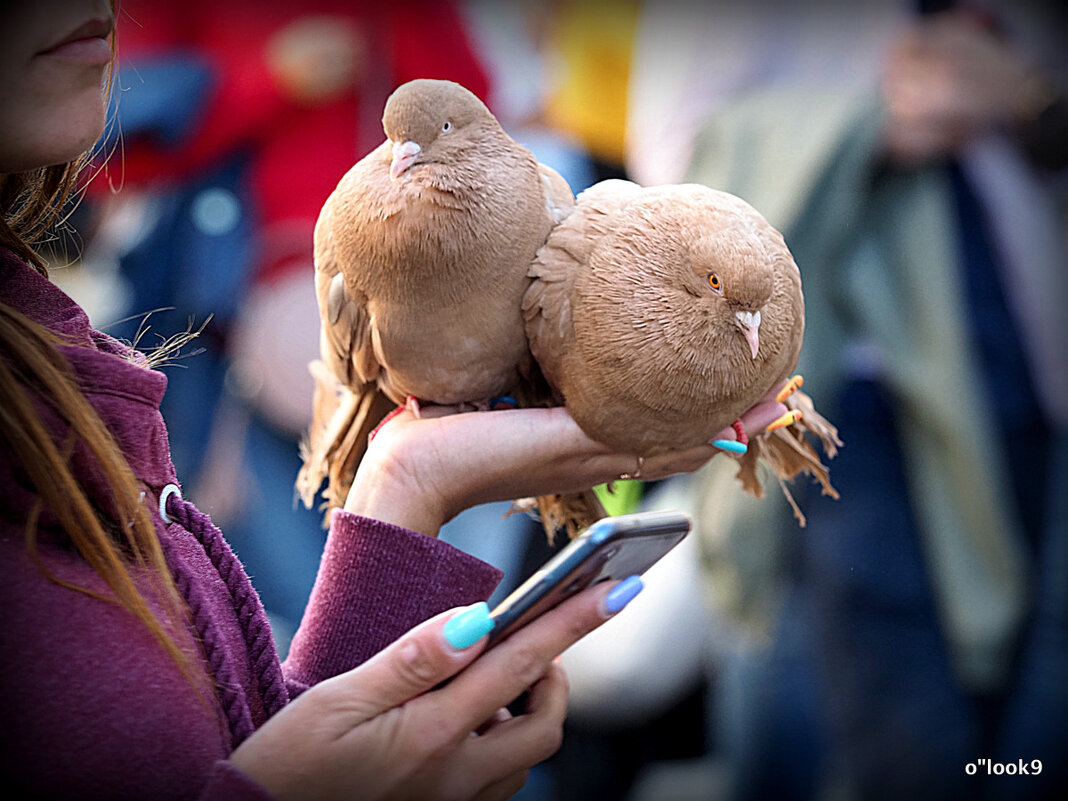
749,322
404,153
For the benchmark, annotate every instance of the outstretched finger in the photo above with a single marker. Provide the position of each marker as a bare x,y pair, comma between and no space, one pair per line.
502,674
417,662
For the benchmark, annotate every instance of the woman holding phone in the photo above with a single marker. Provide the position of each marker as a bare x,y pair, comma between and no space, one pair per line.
137,661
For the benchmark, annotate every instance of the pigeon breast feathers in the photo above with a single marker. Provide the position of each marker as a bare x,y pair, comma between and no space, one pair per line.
634,313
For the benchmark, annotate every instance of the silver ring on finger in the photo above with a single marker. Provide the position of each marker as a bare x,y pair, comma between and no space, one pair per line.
637,472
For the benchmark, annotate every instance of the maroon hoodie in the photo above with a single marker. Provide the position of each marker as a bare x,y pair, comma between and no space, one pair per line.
92,705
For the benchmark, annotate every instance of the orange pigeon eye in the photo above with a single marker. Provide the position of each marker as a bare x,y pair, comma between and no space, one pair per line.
713,281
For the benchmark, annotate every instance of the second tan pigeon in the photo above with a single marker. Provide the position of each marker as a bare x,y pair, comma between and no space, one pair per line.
659,315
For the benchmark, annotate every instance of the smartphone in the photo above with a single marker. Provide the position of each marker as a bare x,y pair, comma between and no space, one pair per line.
612,548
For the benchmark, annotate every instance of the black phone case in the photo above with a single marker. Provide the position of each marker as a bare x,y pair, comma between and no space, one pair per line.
610,549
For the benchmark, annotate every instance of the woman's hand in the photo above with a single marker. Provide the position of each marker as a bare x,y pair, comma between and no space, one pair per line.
420,472
382,731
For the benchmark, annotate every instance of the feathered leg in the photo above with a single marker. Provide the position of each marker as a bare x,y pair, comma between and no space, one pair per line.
787,452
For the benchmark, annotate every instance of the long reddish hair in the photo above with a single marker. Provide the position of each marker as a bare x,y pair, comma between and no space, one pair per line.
32,367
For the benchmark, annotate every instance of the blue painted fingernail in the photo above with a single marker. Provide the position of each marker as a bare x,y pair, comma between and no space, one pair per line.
622,594
465,628
731,445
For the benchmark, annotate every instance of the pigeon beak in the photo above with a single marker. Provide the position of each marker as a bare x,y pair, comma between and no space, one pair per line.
749,322
404,153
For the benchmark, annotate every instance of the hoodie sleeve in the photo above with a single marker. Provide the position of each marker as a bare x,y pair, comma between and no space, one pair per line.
376,581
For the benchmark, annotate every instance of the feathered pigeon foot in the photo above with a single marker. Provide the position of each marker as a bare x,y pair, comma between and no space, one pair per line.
410,404
573,512
785,449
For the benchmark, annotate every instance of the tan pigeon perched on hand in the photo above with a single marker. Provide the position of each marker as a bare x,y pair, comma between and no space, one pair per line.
660,315
421,259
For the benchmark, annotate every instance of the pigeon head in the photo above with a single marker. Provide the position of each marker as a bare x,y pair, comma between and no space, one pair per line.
428,121
735,276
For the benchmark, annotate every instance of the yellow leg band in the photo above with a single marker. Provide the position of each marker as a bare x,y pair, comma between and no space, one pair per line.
789,418
789,388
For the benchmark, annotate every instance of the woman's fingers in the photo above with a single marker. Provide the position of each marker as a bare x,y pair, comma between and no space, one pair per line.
505,788
421,472
535,452
502,715
763,414
517,663
417,662
528,739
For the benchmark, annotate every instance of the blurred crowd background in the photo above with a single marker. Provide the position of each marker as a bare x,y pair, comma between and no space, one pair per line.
913,154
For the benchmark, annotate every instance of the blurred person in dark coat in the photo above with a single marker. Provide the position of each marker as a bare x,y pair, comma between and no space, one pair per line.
915,160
